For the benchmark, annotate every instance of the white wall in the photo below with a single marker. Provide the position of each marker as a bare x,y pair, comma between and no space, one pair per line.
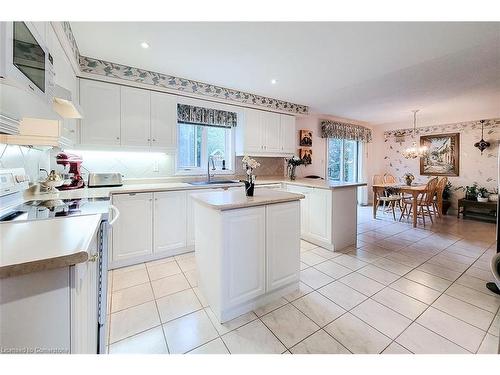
31,159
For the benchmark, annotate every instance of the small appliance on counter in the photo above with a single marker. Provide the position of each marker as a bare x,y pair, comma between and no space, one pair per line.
105,180
74,179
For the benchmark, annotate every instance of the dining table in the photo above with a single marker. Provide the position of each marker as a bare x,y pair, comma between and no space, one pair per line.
413,190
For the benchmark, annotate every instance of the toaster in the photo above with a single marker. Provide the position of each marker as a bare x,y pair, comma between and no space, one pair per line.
105,179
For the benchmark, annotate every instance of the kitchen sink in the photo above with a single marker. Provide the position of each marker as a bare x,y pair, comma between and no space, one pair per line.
214,182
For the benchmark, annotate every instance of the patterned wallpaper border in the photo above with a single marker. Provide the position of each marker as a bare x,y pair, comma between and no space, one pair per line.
109,69
400,134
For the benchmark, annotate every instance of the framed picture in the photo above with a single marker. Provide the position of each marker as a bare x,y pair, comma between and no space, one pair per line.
443,156
306,155
306,138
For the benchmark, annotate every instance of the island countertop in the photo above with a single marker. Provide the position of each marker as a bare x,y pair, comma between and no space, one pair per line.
231,199
31,246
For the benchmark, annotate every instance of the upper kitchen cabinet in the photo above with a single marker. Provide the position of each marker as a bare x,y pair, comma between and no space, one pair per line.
264,133
101,104
163,120
288,134
135,117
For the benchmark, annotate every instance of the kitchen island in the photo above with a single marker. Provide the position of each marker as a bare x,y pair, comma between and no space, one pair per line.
247,248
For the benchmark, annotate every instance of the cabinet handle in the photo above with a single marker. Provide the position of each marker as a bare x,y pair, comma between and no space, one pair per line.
149,139
154,140
94,257
118,138
131,194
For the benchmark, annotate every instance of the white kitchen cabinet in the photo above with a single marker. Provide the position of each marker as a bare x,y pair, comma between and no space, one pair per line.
319,214
271,128
101,104
264,133
282,244
133,232
169,222
288,134
84,308
135,117
304,206
244,256
252,136
163,120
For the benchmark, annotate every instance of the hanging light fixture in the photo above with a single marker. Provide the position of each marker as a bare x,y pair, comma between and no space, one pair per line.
415,151
482,144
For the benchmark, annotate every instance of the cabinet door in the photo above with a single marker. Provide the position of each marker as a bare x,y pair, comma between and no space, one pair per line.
101,104
135,117
169,221
163,120
304,206
133,232
288,134
282,244
84,308
244,255
319,206
253,136
271,129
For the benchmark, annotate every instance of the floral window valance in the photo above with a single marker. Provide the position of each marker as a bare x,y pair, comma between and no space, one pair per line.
343,130
189,114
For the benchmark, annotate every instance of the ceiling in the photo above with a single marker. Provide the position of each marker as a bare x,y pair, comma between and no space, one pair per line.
374,72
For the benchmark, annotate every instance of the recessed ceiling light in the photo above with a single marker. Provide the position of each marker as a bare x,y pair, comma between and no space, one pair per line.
144,45
273,81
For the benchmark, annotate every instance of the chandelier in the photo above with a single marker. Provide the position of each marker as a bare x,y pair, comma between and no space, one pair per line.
415,151
482,144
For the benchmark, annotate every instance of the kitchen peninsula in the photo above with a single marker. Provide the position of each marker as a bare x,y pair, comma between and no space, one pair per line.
247,248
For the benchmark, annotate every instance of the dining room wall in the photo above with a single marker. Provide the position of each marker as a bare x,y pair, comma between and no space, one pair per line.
474,166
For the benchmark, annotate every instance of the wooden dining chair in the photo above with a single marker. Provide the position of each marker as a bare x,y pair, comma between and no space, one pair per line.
389,179
392,201
425,201
437,204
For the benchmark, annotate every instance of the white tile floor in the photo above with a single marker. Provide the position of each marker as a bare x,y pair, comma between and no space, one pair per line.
401,290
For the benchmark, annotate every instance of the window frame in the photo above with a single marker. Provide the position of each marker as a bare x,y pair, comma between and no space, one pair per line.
202,170
342,161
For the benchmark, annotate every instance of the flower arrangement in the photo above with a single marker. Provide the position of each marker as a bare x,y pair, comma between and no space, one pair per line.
409,177
292,164
249,165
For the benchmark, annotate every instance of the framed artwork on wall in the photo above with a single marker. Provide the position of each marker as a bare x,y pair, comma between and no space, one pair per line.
306,138
443,158
306,155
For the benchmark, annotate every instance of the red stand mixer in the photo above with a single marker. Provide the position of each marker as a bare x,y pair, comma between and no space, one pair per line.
75,180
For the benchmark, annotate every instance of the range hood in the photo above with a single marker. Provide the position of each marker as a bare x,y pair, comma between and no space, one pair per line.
64,104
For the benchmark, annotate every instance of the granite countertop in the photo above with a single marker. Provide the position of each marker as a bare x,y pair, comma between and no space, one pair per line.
31,246
232,199
145,186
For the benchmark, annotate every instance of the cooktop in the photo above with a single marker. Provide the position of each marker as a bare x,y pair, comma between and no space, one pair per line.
52,208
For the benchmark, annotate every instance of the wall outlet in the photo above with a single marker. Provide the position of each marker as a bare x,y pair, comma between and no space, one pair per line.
156,166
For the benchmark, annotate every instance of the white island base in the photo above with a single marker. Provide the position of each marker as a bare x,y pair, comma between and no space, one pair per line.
247,249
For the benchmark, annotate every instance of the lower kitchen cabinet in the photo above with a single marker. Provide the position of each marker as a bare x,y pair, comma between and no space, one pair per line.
315,214
169,222
245,269
282,237
52,311
133,232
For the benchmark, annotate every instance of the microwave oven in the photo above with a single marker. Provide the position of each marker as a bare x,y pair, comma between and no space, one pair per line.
25,61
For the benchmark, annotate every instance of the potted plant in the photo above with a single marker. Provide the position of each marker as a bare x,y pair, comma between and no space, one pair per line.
446,198
470,191
292,164
482,194
249,165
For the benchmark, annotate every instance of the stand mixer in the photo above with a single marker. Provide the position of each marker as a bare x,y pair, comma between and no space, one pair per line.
75,180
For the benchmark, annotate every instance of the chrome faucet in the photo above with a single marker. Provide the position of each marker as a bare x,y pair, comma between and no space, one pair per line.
209,176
